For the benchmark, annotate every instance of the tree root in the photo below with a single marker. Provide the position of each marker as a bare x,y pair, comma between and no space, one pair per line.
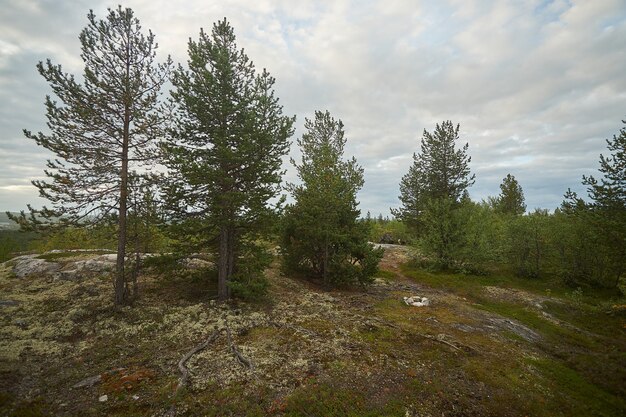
242,359
181,364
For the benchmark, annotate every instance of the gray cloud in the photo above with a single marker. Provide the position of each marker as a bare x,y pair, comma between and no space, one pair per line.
536,86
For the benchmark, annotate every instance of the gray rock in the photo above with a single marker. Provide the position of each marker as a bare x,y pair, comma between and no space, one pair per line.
29,265
102,263
464,327
68,275
8,303
78,270
515,327
88,382
21,323
196,263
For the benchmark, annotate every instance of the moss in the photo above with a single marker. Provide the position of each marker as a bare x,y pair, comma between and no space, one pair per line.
55,256
472,285
382,340
314,352
35,408
386,275
325,399
574,395
216,401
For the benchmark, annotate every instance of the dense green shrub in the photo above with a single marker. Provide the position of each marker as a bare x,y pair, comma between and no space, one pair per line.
13,241
322,237
395,230
527,243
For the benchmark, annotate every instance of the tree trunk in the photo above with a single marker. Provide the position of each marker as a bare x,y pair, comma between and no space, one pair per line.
121,295
325,263
222,265
136,276
231,258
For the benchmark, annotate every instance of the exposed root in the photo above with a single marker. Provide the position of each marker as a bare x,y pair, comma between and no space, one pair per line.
181,365
242,359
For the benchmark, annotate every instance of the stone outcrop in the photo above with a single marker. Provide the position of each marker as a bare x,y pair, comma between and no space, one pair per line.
30,264
27,265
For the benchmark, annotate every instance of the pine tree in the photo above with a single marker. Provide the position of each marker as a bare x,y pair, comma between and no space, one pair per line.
439,171
101,129
322,235
226,148
608,205
511,198
610,191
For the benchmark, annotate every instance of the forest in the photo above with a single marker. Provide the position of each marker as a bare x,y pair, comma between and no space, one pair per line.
173,272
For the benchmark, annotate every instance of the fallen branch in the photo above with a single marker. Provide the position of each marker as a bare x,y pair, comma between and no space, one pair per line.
242,360
440,339
181,365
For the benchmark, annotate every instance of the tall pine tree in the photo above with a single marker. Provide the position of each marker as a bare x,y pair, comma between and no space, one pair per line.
225,151
102,128
608,205
322,236
439,171
511,198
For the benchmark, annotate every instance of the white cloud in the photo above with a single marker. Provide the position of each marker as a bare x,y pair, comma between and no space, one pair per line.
536,85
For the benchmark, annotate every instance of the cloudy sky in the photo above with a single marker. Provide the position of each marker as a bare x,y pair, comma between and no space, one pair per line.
537,86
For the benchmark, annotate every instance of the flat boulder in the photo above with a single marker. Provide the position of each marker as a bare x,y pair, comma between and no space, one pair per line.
77,270
26,265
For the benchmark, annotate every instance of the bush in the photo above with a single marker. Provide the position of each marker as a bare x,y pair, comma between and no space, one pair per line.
94,237
389,231
12,241
527,243
249,281
583,257
463,236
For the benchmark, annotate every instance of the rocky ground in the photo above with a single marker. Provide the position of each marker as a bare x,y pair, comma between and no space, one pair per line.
302,351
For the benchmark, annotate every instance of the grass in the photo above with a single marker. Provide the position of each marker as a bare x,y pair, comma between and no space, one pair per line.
531,319
575,395
386,275
471,285
582,355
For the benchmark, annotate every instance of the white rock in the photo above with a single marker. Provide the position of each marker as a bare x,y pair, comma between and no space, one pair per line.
103,398
417,301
